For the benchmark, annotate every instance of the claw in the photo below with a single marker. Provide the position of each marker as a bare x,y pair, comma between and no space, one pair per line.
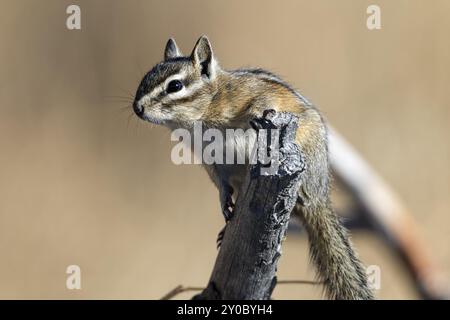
265,121
220,237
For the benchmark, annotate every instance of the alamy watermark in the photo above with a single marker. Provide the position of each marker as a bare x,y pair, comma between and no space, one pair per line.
228,146
373,21
373,273
73,281
73,21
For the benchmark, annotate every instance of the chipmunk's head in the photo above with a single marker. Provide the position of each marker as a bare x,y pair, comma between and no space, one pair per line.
178,90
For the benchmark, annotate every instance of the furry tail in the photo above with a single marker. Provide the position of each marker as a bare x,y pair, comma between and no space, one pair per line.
331,251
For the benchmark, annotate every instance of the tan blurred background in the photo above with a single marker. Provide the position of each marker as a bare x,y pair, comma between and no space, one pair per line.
83,183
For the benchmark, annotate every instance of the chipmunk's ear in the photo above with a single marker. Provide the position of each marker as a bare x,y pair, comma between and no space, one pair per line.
203,57
172,50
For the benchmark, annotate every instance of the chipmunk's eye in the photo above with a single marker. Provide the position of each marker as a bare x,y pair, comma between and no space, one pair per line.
174,86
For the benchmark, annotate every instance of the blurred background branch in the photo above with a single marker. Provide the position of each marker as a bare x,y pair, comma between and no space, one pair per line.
381,211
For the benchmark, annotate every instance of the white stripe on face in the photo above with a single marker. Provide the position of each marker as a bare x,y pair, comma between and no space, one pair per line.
183,93
145,100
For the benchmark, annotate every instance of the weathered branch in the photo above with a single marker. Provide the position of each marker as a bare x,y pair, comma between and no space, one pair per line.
247,261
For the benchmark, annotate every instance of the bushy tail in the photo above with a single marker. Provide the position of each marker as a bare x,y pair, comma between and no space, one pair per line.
338,267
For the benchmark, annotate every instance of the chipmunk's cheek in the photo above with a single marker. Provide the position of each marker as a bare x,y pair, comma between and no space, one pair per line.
156,114
186,113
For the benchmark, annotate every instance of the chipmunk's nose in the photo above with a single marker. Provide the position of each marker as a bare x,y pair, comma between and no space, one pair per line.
138,108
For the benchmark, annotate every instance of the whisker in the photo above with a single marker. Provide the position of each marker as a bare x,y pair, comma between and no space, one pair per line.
127,93
119,97
128,120
137,123
125,109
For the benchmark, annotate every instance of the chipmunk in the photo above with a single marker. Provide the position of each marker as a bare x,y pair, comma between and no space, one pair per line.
183,89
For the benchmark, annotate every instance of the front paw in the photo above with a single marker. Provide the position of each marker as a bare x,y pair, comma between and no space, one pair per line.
265,122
